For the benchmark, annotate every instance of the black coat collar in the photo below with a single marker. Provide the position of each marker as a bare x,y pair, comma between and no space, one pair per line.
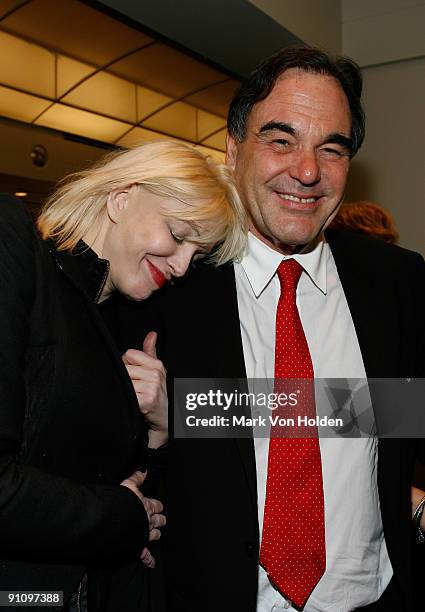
84,268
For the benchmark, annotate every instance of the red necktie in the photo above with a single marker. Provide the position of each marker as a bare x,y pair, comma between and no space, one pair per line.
293,542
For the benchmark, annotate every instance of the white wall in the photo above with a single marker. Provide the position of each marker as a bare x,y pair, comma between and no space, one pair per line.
390,167
380,31
386,37
316,22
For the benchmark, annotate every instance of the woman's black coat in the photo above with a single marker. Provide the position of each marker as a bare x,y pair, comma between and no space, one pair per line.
70,427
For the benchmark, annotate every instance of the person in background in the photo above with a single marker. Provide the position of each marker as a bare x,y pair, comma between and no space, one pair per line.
366,218
73,432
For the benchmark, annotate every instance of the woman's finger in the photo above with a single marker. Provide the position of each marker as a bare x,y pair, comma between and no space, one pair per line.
157,520
136,357
149,344
154,534
137,478
143,372
147,558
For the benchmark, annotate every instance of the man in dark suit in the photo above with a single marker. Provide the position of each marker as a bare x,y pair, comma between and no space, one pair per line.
356,311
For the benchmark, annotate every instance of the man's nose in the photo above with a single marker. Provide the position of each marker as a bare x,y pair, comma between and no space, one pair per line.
306,168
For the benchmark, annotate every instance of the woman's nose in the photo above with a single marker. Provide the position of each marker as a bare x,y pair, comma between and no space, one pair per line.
180,261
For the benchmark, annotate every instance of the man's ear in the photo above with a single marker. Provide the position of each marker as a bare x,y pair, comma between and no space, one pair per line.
231,151
117,202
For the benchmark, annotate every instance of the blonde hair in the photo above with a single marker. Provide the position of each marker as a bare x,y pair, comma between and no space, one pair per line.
166,168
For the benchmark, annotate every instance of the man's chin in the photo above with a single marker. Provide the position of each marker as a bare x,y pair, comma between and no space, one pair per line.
298,243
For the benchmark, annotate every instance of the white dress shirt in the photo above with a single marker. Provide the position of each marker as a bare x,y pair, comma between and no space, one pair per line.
358,568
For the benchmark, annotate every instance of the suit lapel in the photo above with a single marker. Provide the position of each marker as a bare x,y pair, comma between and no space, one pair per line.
371,309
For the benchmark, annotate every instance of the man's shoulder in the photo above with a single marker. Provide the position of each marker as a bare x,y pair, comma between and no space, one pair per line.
370,251
205,278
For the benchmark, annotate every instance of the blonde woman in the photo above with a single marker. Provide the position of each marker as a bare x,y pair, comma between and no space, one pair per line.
71,431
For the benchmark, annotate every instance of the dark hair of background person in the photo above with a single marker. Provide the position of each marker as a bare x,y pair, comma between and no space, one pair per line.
261,81
366,218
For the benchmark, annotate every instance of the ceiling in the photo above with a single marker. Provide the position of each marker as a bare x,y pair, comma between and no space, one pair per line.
234,34
70,67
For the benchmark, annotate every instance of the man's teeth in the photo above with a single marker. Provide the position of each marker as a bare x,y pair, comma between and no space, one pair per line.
293,198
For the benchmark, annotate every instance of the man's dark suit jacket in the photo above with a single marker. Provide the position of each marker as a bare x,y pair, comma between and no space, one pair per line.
212,544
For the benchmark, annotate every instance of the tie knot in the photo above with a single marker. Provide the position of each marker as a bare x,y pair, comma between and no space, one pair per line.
289,272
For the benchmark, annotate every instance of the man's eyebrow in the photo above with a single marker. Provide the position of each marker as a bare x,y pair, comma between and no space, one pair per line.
339,139
278,126
286,128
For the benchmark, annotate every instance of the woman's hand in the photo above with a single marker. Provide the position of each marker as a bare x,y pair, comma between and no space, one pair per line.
148,376
153,509
147,559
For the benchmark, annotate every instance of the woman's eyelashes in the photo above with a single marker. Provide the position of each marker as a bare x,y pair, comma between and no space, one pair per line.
177,239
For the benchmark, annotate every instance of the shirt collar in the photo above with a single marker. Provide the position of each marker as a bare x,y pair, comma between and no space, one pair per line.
260,263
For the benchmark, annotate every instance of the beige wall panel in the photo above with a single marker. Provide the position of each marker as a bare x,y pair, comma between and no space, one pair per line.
66,119
390,167
208,123
218,141
359,9
21,106
152,66
313,21
178,120
76,29
69,73
8,5
26,66
138,136
385,37
149,101
106,94
215,99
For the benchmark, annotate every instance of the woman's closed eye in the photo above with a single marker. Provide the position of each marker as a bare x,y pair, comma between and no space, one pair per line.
178,239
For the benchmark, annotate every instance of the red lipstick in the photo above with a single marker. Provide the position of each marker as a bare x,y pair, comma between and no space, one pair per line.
157,276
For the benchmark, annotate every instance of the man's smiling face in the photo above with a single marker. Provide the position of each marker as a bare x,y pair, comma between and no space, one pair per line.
291,168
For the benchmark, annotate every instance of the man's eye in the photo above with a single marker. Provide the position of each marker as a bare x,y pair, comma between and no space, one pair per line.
335,152
177,238
281,141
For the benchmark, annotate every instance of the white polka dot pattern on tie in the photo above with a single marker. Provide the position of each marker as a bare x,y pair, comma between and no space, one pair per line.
293,543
